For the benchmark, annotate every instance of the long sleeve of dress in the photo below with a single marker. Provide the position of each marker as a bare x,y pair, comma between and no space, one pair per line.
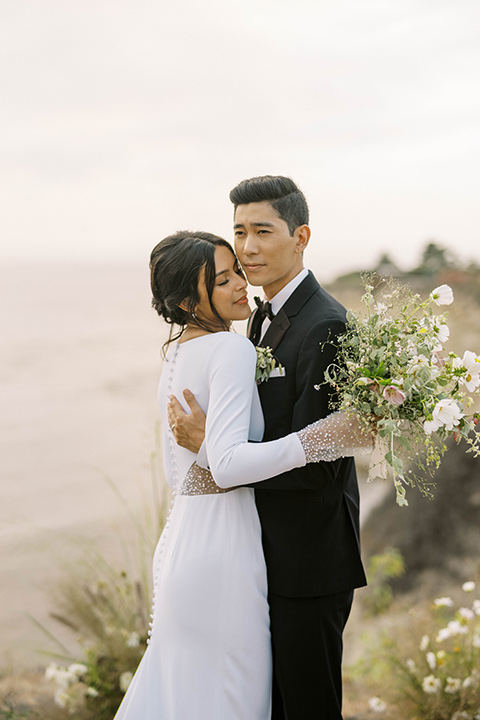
232,459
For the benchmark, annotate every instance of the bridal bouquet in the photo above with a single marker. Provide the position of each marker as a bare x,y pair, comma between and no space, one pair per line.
392,368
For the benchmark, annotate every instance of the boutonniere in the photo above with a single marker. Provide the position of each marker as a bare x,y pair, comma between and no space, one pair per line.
266,362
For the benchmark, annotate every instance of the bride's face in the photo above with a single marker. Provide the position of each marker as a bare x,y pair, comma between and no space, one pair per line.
229,294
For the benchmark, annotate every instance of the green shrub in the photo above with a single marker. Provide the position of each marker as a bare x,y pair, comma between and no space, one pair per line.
381,568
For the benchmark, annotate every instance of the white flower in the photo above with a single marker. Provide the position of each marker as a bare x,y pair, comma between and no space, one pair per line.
64,678
443,333
466,614
61,698
443,634
468,682
476,607
424,642
446,412
125,680
443,602
469,587
431,684
411,665
453,685
78,669
471,363
476,640
133,640
92,692
456,628
431,660
442,295
461,715
430,426
51,671
377,705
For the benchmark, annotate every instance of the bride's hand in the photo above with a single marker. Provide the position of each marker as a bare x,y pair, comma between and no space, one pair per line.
188,429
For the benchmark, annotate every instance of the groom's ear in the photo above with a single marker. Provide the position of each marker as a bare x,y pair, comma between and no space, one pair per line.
302,236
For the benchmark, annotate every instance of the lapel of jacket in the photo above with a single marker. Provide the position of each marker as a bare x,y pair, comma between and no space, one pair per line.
281,322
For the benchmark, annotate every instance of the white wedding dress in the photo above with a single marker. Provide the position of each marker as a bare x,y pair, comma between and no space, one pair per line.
209,654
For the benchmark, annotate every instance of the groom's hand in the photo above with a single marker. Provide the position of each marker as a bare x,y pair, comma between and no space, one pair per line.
188,430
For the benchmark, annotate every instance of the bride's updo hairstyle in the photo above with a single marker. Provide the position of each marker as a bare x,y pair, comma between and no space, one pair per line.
175,265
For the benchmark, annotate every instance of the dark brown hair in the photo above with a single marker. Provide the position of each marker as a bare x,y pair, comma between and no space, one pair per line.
175,265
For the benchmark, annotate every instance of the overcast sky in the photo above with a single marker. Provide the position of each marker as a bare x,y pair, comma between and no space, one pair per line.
124,120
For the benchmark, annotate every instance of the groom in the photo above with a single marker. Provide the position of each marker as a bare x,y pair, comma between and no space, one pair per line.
310,515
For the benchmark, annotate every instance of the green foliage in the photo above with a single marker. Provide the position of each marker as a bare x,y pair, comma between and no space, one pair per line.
12,711
382,568
391,370
109,617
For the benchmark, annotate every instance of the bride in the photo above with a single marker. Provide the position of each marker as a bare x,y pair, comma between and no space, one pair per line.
209,653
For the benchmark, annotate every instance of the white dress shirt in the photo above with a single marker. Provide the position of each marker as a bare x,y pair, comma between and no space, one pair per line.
279,300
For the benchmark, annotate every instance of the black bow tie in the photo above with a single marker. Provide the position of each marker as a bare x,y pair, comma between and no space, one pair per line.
264,309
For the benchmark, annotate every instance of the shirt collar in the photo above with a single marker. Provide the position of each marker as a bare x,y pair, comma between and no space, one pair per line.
282,296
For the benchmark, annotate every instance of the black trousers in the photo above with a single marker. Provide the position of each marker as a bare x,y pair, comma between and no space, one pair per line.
307,655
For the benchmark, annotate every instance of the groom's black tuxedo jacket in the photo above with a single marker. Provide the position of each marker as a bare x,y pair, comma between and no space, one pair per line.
310,515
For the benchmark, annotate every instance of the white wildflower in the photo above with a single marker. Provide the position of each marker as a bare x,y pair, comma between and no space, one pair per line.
430,426
51,671
125,680
453,685
443,634
443,333
468,682
61,698
468,586
133,640
424,642
466,613
64,678
462,715
92,692
442,295
471,363
431,684
377,705
447,413
476,640
411,665
456,628
443,602
476,607
78,669
431,660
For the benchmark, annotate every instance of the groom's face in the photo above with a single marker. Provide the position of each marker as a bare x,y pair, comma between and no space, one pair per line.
269,254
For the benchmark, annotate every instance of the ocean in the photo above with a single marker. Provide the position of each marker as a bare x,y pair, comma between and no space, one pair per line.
79,369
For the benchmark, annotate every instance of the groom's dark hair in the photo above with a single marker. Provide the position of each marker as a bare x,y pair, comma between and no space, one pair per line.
282,194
